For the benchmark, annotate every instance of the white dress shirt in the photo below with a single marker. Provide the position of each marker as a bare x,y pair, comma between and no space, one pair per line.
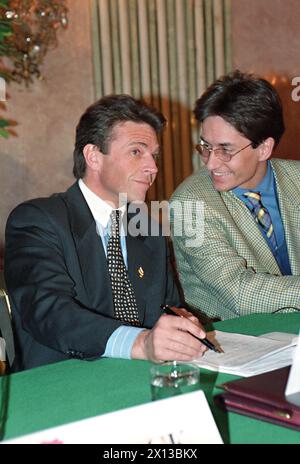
119,344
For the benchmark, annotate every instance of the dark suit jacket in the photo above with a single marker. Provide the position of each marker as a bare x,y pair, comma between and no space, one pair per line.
58,282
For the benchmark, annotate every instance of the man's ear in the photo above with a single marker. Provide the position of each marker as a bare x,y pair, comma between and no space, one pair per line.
92,156
266,149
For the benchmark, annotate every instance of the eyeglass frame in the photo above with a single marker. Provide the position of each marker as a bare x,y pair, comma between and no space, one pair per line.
210,149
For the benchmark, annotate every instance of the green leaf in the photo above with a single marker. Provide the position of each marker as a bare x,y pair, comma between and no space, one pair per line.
4,5
4,133
3,123
5,25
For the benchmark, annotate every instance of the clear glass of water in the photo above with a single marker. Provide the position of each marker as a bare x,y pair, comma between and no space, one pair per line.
171,379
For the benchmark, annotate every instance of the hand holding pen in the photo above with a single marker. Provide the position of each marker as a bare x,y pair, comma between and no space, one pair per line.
170,338
182,312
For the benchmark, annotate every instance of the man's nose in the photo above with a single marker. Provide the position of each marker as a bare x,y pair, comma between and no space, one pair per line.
213,161
150,165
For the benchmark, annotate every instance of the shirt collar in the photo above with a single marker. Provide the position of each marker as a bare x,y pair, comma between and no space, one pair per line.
264,187
99,208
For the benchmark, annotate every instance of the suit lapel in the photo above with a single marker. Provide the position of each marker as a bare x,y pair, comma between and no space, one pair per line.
89,248
140,273
93,260
244,221
289,204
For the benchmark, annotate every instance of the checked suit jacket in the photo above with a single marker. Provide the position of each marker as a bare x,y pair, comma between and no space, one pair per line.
58,281
233,272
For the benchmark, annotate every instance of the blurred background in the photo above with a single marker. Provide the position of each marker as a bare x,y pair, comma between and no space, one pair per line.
63,55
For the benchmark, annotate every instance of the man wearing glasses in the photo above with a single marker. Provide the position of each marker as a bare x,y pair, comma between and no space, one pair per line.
249,258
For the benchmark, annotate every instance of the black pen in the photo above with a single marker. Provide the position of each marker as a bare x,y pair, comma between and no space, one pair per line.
178,312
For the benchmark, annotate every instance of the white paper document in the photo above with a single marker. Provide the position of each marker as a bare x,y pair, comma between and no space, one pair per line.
246,355
292,391
182,419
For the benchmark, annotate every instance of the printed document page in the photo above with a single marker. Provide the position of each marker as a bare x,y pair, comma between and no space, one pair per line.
246,355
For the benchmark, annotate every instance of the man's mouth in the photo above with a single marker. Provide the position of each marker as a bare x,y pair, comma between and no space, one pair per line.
142,181
219,174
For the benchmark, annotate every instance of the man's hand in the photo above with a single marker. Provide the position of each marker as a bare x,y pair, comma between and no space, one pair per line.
171,339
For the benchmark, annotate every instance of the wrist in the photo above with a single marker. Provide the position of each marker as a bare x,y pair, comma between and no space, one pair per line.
138,350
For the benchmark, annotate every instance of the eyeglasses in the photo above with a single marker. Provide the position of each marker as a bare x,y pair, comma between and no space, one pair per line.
222,153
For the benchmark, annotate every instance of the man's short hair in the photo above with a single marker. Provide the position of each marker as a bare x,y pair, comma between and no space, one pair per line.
98,121
247,102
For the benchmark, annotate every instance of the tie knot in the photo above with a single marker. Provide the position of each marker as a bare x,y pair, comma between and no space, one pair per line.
115,222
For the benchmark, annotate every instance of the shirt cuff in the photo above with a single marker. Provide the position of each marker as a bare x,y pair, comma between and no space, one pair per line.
119,344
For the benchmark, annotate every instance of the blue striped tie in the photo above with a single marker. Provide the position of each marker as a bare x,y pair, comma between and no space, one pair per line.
261,215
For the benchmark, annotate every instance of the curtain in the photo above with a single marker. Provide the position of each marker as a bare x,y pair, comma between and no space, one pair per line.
166,52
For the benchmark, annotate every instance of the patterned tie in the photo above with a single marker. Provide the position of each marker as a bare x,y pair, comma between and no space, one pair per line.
123,295
261,215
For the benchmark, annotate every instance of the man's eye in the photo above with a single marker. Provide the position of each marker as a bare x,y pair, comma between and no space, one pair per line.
135,152
226,151
205,146
156,156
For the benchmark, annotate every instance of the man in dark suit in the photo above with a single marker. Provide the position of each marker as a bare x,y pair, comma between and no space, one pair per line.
59,268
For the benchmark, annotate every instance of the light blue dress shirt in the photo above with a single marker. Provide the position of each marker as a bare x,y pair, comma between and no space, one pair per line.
268,191
119,344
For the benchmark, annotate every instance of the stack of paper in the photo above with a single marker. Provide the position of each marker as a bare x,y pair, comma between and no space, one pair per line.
245,355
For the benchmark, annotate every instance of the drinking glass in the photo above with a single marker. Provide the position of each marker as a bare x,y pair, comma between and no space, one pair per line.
171,379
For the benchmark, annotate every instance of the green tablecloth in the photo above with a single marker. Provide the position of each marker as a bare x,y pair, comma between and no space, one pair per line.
72,390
